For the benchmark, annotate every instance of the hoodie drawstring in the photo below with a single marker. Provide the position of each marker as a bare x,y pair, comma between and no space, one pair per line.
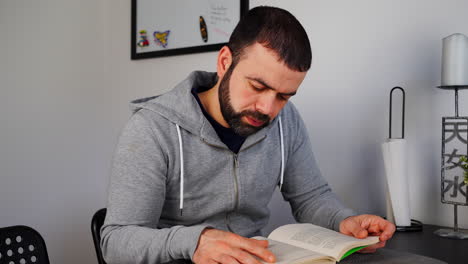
282,153
181,205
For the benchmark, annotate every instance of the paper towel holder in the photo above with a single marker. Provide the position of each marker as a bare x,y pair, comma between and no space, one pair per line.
415,224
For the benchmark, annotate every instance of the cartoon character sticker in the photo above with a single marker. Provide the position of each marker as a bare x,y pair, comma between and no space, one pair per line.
161,38
203,29
143,42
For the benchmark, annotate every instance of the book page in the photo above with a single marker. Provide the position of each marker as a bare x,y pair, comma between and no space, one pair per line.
319,239
288,254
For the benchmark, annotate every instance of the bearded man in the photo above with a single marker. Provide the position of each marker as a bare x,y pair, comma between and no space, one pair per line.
195,168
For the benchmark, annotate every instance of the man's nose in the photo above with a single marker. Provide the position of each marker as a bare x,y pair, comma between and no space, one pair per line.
266,104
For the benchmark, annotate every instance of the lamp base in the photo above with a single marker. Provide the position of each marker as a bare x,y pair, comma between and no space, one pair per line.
453,87
450,233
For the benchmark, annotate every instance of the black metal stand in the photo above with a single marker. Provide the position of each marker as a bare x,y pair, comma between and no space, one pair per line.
454,233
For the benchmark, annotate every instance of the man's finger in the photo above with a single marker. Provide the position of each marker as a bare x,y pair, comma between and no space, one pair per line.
244,257
366,250
373,248
388,229
227,259
352,227
374,230
226,248
262,243
259,249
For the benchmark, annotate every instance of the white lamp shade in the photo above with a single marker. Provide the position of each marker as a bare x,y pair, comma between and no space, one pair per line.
455,60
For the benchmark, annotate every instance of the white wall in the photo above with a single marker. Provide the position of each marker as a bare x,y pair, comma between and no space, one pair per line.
66,79
54,149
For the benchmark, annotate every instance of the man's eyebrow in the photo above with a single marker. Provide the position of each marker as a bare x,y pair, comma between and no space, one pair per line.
262,82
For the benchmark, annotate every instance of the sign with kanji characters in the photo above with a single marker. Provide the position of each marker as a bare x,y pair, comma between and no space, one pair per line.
454,146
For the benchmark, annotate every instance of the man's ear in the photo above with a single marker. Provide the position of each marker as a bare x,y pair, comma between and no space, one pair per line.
224,61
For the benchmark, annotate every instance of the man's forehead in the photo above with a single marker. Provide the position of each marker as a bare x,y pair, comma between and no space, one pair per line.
263,65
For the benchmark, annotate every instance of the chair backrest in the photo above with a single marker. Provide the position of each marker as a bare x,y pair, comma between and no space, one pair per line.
96,224
22,244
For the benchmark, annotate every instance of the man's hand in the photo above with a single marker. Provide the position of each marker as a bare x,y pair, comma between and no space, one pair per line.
216,246
361,226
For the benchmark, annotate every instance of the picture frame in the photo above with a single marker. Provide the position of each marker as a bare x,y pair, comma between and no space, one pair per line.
166,28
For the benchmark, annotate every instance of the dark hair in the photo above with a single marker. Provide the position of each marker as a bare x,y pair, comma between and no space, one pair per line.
275,29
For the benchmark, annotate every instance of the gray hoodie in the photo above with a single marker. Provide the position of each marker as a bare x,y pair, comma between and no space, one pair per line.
172,177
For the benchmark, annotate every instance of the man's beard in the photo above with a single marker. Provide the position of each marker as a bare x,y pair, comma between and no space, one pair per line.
233,118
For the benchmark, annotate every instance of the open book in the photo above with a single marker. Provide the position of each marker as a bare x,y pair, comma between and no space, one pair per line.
308,243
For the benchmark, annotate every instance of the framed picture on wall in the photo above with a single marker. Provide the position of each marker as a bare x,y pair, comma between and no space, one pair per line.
173,27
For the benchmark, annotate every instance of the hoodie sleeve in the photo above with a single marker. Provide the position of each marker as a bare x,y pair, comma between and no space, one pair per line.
135,199
310,196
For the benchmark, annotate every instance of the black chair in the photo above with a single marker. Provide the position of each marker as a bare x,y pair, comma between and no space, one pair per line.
22,244
96,224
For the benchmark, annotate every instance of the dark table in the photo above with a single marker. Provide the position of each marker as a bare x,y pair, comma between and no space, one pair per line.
423,243
427,244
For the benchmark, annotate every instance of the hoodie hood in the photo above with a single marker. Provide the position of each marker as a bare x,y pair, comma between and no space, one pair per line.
178,105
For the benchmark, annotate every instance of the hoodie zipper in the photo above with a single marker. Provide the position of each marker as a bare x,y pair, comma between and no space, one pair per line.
236,179
235,167
236,184
236,191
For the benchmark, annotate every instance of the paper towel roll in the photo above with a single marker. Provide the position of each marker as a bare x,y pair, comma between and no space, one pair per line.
455,60
394,153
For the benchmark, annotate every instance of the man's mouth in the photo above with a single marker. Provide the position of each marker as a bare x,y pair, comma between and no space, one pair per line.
254,122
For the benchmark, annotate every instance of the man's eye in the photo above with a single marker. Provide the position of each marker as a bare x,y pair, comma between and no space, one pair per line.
284,97
257,88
